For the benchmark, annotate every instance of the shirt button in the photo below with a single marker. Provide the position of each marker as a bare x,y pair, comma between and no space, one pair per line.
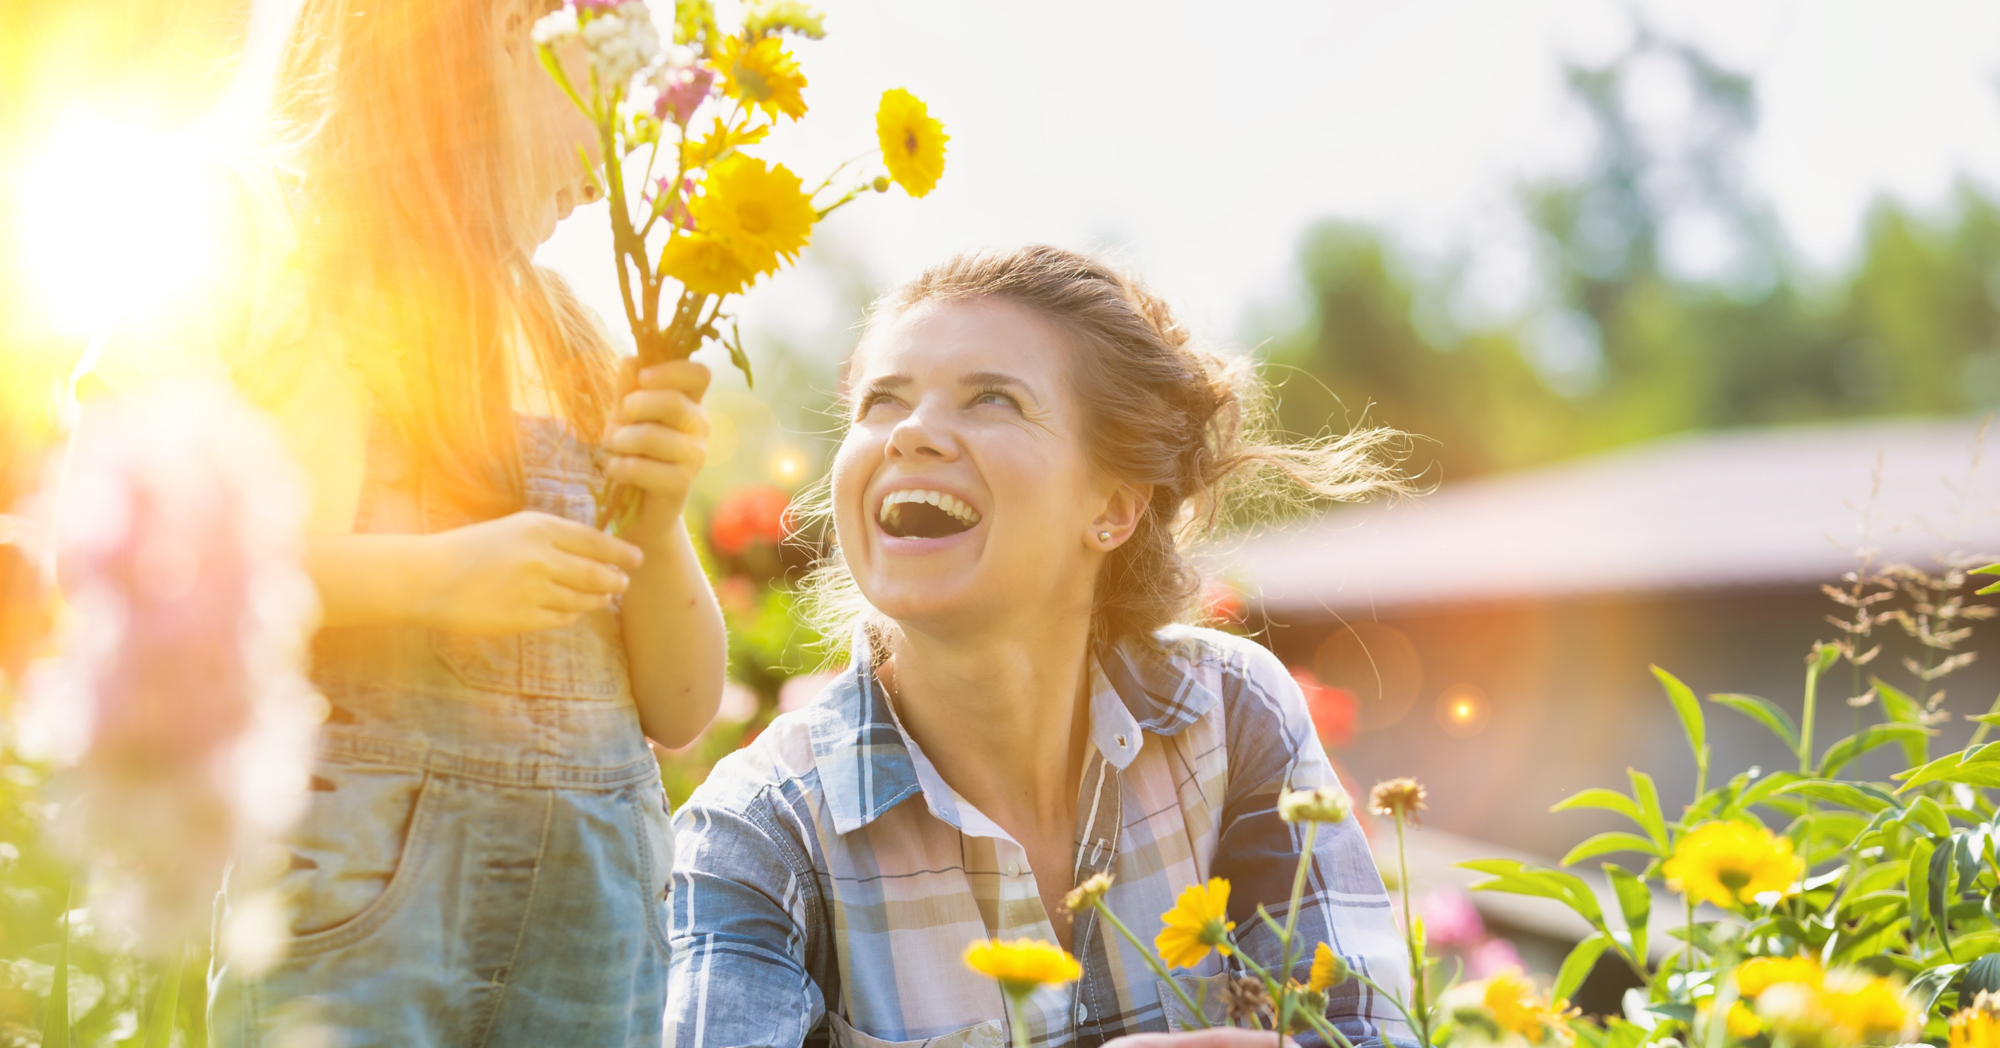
1082,1012
1013,868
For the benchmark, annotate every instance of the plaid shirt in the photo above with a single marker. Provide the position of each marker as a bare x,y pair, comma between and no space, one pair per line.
828,880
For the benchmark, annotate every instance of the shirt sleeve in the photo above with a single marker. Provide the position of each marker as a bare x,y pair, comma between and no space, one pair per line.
1272,748
743,904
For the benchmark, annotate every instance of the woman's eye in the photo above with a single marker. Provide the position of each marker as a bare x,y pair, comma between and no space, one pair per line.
994,396
871,402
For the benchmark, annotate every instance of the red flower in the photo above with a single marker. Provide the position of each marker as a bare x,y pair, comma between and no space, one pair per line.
748,516
1333,709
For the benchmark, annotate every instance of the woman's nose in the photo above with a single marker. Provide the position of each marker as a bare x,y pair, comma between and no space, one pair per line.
915,437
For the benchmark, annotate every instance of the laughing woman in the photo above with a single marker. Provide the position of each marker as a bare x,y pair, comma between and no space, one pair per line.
1031,440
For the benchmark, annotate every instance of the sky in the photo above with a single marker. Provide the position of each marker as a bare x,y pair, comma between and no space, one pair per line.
1198,141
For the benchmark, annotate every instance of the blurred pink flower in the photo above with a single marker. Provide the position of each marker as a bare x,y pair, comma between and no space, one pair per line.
1450,919
176,697
1491,958
676,212
682,91
798,692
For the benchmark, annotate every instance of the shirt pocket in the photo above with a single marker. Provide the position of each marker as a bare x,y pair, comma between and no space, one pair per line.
1205,990
355,854
983,1035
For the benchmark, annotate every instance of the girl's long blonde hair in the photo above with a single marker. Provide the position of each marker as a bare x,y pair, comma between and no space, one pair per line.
408,162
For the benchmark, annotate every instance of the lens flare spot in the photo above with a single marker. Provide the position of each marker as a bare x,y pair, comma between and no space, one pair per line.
1463,709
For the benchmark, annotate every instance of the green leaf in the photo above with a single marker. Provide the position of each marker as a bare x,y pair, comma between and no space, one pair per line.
1930,985
1844,752
166,1007
1648,796
1761,789
1512,876
1763,712
1902,709
1918,881
1925,813
1599,797
1688,708
1607,843
55,1022
1940,893
1981,975
1979,766
1635,904
1859,796
1577,966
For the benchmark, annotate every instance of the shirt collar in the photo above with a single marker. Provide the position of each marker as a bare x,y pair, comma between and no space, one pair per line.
868,765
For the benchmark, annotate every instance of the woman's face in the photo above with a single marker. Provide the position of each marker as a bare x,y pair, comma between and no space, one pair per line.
963,497
552,178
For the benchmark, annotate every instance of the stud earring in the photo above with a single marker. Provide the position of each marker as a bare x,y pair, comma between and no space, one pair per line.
1104,536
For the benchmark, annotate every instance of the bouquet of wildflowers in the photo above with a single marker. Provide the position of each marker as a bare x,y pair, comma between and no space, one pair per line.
709,217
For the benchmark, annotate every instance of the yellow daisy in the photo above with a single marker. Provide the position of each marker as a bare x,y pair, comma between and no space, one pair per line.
1731,863
1758,974
762,74
1022,964
759,210
1198,923
1328,971
705,265
912,142
1869,1009
1977,1026
699,152
1512,1000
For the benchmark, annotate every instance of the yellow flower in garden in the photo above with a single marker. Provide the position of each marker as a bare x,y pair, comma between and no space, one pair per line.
1977,1026
1504,1007
1741,1022
705,265
1328,971
1197,923
720,140
1022,964
1730,863
762,74
1511,999
912,142
760,210
1868,1009
1758,974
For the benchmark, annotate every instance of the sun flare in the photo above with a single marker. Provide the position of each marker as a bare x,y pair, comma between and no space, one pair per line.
117,218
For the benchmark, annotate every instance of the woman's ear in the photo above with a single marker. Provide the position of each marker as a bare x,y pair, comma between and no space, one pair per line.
1123,510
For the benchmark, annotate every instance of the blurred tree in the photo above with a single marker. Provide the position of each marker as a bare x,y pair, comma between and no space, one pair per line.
1668,300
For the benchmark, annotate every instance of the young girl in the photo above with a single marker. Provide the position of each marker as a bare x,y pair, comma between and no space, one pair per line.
485,858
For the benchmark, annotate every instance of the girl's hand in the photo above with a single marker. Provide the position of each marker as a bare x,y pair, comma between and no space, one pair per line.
1216,1037
527,571
658,438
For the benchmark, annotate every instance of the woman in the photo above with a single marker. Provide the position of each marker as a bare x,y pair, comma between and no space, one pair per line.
1031,436
484,860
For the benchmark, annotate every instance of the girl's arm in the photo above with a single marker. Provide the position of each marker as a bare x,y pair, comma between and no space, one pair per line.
674,641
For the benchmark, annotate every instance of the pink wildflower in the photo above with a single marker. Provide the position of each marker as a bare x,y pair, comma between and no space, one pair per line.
676,212
682,91
1450,919
176,698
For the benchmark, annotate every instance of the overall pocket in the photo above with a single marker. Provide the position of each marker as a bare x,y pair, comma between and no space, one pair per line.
355,854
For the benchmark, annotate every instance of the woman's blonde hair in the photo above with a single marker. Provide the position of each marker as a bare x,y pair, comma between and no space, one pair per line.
1158,410
410,162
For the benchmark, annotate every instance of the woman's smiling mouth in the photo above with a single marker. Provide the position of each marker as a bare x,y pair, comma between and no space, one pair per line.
924,513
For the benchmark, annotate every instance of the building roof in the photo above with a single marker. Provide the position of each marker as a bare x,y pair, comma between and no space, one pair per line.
1704,511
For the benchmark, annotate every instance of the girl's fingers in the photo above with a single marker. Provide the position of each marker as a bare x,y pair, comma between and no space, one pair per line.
651,475
571,537
566,601
667,407
684,375
550,619
585,575
659,444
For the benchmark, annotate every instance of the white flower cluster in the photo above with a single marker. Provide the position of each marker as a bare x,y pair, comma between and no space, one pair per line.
177,699
622,41
556,28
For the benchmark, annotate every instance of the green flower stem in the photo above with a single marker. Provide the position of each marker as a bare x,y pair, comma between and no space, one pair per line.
1153,962
1017,1031
1284,1009
1325,1028
1418,996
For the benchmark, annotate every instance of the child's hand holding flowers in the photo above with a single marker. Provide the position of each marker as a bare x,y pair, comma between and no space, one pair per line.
658,440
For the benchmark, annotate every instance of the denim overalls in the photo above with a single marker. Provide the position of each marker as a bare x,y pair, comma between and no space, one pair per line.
485,857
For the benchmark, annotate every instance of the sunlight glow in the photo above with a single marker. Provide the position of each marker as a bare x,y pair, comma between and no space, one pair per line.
118,218
1463,710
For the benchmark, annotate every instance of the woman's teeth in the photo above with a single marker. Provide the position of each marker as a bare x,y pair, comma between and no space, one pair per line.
942,514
